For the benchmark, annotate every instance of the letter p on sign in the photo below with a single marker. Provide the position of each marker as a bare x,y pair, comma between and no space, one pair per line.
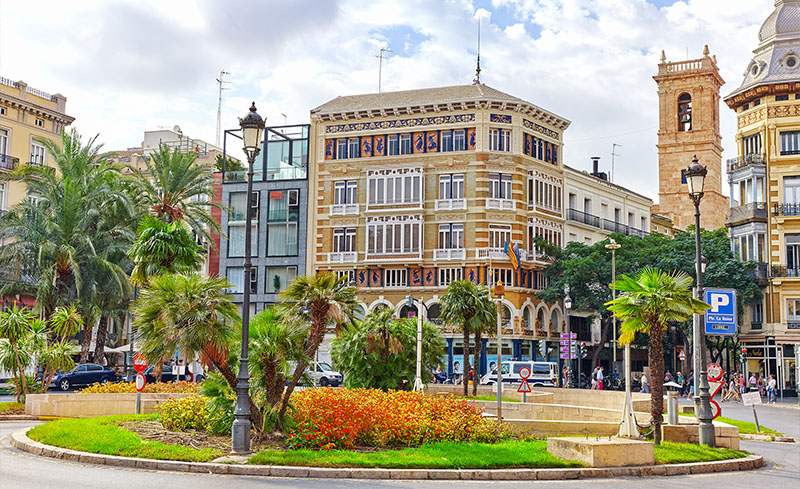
718,300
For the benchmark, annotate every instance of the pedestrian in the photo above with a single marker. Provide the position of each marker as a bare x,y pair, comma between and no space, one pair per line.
681,381
724,392
600,378
741,384
566,377
691,385
753,382
645,385
761,386
772,384
594,378
457,372
668,376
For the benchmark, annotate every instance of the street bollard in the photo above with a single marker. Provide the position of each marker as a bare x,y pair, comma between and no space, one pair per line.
672,407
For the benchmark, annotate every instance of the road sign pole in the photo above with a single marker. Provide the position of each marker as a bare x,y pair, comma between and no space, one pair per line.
138,402
755,418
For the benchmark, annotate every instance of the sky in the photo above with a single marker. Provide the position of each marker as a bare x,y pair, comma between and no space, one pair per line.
131,66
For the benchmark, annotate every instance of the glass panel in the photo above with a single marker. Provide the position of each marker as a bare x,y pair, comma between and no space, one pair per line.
235,276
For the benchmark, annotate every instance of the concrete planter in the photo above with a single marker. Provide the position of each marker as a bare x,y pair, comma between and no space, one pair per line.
92,405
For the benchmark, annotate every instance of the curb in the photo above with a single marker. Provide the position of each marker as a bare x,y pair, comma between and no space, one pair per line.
18,417
769,438
20,441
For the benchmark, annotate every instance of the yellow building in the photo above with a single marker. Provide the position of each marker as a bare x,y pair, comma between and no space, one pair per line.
26,115
764,216
412,190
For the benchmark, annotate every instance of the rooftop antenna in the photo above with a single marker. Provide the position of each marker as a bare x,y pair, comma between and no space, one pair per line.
614,147
221,82
380,65
477,80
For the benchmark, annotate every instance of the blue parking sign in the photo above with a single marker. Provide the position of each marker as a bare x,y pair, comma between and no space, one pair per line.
721,318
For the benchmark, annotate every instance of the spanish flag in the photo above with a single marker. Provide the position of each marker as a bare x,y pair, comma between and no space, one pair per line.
513,254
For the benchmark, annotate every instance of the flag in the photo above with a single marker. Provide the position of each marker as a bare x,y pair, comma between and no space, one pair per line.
513,254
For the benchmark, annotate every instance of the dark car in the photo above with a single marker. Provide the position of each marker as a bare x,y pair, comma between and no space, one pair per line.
167,375
84,374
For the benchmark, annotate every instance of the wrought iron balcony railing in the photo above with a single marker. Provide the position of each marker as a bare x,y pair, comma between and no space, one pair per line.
8,162
746,160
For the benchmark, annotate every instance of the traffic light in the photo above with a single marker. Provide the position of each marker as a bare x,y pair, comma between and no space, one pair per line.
583,349
543,348
410,301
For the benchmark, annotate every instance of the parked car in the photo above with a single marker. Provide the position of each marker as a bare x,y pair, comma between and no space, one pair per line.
324,375
168,376
543,374
84,374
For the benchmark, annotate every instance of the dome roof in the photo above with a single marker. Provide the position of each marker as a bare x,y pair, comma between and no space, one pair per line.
783,22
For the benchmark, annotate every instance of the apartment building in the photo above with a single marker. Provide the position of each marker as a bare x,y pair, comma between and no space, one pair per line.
764,179
412,190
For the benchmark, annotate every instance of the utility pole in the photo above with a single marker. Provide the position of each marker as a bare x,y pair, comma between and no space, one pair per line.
380,65
614,147
221,82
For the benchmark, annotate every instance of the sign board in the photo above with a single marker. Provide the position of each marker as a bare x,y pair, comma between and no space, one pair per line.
139,362
721,318
682,356
140,382
566,336
714,372
713,387
751,398
524,386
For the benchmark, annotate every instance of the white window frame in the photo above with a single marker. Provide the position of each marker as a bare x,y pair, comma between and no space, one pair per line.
345,198
395,277
406,147
460,140
38,154
398,188
499,139
394,237
449,275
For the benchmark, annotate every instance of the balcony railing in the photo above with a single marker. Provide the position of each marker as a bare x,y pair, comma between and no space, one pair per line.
393,256
745,161
747,212
760,272
497,254
8,162
343,209
787,209
583,217
451,204
793,325
783,271
342,257
500,204
450,254
604,224
240,176
790,152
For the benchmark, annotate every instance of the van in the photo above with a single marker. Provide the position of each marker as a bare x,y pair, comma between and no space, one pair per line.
543,374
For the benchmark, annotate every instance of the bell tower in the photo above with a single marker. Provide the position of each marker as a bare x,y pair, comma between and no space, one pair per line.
688,109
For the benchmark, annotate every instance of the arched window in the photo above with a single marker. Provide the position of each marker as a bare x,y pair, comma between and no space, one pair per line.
434,313
526,319
685,112
506,316
359,313
541,326
405,310
555,324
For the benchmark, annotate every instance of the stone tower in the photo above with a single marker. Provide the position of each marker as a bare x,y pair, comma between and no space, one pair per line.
688,106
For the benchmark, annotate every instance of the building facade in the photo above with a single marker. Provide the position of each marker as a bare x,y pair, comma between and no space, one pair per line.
413,190
597,207
280,212
764,178
688,100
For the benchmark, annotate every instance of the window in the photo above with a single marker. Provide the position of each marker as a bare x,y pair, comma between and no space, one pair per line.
33,198
402,235
499,140
278,278
685,112
542,282
235,276
791,190
3,142
793,310
393,187
395,277
504,275
345,192
451,236
282,217
546,192
446,143
349,275
781,98
751,246
2,111
643,225
790,142
449,275
499,186
550,232
757,313
756,103
631,220
39,123
499,235
792,254
394,145
344,240
253,280
752,144
2,196
459,140
341,149
451,186
405,144
237,216
38,154
353,146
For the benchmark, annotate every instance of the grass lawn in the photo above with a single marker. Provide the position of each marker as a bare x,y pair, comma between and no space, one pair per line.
679,453
6,407
443,455
745,427
101,435
488,398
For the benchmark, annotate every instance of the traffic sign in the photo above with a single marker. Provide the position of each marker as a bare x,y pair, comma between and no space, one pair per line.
682,356
714,372
566,336
524,373
751,398
713,387
140,381
564,356
720,319
139,362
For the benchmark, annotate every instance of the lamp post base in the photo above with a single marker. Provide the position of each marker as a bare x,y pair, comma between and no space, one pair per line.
628,425
240,436
418,385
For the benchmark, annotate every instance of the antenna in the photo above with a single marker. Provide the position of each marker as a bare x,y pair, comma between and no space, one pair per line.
614,146
380,65
221,83
477,80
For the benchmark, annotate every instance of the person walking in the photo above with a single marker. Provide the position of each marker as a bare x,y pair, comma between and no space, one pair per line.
741,384
600,378
594,378
690,392
772,385
566,377
760,384
681,382
753,382
645,385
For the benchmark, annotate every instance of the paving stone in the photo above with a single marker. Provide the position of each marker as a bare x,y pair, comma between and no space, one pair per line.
329,473
557,474
244,469
625,471
369,473
594,472
410,474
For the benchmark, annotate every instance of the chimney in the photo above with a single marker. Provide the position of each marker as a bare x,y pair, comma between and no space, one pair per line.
595,165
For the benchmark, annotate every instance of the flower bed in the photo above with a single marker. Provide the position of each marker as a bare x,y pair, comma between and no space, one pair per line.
182,387
347,418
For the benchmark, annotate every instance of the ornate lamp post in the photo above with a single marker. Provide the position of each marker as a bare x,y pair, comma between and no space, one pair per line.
252,128
695,178
499,291
567,309
613,246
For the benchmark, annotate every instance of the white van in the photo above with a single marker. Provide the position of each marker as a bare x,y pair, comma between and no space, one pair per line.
543,374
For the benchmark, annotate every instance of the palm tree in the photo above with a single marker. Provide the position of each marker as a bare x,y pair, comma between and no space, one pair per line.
648,304
176,188
163,247
15,325
327,299
469,307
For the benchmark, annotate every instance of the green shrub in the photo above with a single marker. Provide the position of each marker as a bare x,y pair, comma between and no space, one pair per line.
186,413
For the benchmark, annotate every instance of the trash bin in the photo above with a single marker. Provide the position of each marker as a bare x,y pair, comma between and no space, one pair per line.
672,407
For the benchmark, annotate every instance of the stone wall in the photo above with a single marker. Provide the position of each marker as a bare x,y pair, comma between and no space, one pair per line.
92,405
727,436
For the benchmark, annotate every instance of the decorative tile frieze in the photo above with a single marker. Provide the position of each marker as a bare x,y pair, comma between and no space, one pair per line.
400,123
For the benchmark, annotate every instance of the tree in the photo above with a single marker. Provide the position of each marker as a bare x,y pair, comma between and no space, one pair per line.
163,247
469,307
327,299
231,163
381,352
15,324
648,304
177,188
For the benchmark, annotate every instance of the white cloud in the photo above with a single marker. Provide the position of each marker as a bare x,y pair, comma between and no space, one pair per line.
129,66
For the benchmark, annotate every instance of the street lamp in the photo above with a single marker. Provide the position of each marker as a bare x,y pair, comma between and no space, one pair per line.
499,291
695,178
613,246
252,128
567,309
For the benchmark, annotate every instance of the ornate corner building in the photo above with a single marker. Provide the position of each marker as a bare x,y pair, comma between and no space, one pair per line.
764,178
412,190
688,100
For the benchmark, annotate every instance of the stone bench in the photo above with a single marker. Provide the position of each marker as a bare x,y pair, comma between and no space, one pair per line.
603,452
726,436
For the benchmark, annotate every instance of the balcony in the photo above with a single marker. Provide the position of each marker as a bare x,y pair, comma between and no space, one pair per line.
451,204
746,160
343,209
605,224
402,256
583,217
500,204
240,176
793,325
449,254
8,162
497,254
753,211
760,273
790,209
783,271
343,257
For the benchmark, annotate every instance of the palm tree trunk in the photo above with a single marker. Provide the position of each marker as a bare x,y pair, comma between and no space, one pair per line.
256,417
21,374
100,343
86,340
476,361
465,367
656,380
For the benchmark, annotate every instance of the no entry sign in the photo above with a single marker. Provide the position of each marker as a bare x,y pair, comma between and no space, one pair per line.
139,362
524,386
